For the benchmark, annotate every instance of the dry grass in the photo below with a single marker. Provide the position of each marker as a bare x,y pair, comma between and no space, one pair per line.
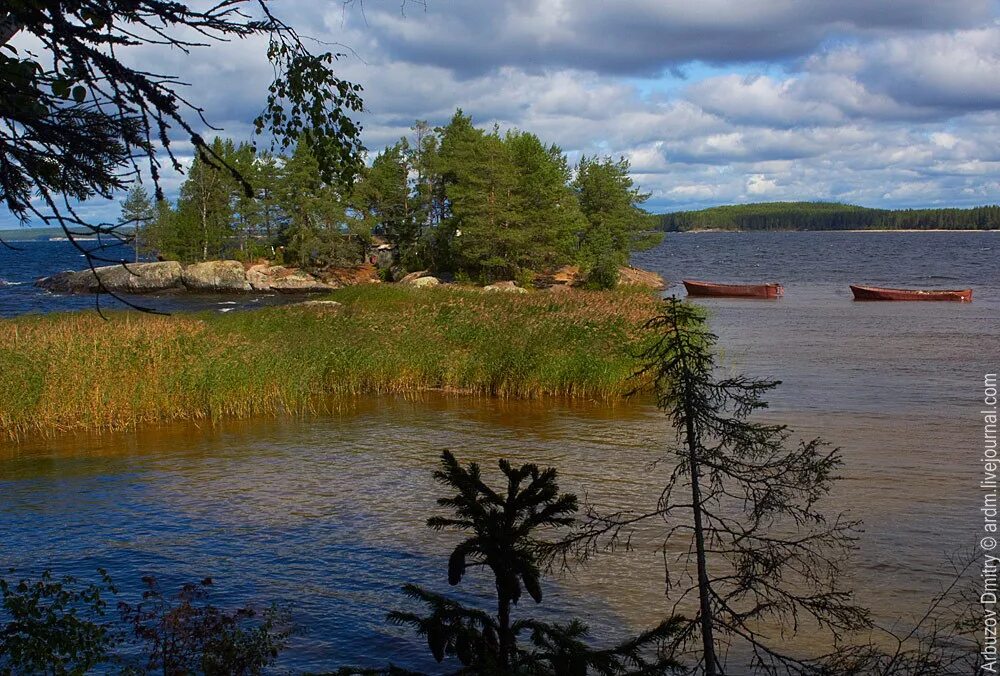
73,372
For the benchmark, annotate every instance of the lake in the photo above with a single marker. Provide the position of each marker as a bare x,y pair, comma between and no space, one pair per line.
328,512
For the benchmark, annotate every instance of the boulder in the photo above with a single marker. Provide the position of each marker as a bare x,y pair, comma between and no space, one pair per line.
414,276
134,278
216,277
568,275
258,278
280,279
62,282
351,275
508,287
629,276
290,280
424,282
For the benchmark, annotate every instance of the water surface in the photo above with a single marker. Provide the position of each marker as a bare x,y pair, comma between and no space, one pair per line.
328,513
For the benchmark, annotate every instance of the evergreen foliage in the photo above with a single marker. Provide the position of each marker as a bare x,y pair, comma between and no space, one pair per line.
315,231
829,216
457,200
502,537
614,221
137,212
743,508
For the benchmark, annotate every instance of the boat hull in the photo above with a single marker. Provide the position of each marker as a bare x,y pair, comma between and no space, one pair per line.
879,293
733,290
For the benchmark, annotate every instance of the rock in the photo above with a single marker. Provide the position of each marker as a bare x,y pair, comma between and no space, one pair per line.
257,277
384,256
414,276
629,276
424,282
568,275
508,287
216,277
142,277
284,280
58,283
134,278
351,275
296,281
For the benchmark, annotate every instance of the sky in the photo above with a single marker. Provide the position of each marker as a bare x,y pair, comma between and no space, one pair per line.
884,103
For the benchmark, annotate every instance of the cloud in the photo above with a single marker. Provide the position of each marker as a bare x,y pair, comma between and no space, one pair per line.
643,36
946,71
883,104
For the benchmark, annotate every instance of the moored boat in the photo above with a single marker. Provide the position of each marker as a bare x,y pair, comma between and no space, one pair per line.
879,293
770,290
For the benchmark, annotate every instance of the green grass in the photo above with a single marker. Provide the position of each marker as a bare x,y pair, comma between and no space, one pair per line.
68,372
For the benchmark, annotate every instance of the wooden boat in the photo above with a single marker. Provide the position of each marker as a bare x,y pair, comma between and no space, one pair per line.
879,293
733,290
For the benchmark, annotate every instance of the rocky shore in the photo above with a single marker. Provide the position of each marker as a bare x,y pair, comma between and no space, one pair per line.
224,277
207,277
564,278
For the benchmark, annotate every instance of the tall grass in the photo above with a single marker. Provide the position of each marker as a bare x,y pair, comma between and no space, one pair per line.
76,371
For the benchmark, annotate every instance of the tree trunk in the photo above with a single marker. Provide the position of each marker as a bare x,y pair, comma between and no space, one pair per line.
707,639
704,599
505,639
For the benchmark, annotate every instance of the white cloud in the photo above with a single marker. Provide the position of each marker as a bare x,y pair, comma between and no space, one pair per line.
808,99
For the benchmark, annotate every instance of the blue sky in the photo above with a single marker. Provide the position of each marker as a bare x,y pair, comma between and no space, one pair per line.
885,103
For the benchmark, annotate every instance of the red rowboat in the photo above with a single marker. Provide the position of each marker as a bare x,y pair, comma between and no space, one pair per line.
733,290
878,293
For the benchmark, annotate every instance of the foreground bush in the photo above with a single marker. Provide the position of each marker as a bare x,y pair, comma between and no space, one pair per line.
64,626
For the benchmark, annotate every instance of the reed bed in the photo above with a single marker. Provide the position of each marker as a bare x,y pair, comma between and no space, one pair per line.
76,372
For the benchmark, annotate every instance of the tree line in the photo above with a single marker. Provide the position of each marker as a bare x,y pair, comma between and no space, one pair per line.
828,216
478,204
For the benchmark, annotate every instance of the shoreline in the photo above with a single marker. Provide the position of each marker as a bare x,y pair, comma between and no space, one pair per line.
879,230
75,372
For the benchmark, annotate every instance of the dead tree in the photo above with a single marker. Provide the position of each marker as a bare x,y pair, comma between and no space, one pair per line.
741,505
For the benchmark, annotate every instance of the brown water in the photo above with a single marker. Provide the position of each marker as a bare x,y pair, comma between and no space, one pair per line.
328,512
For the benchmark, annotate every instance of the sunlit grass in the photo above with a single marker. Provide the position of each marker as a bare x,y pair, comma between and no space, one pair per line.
68,372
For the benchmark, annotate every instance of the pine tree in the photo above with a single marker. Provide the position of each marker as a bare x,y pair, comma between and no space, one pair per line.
317,231
246,206
611,204
205,211
548,207
386,197
137,212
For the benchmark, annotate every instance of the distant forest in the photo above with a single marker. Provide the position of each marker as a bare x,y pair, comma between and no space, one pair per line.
829,216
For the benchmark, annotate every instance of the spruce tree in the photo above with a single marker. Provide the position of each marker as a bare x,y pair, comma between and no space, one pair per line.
502,528
743,505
